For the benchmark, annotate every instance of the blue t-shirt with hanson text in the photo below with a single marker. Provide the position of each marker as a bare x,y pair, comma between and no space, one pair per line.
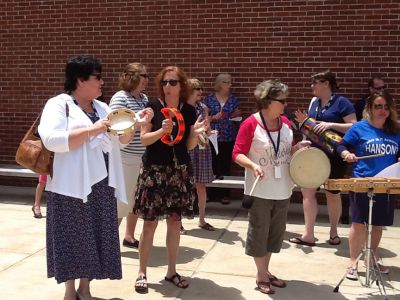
367,140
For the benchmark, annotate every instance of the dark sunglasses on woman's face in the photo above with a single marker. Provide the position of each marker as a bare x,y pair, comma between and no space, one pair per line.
172,82
97,75
198,89
380,88
381,106
282,101
144,75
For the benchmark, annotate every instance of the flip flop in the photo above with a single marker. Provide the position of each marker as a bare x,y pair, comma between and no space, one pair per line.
331,240
275,281
180,283
299,241
141,285
207,226
264,287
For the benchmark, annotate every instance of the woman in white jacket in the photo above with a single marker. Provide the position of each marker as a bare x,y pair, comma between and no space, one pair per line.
82,226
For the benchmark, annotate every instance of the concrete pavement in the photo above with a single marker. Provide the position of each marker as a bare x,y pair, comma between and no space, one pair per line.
214,262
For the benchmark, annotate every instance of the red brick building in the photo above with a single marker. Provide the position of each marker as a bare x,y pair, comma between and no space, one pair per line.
252,40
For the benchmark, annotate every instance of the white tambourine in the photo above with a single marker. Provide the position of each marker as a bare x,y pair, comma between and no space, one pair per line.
122,121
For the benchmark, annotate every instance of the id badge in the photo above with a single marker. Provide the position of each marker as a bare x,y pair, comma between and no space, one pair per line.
278,173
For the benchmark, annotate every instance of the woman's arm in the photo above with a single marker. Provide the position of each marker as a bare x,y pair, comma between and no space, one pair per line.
243,161
198,127
79,136
339,127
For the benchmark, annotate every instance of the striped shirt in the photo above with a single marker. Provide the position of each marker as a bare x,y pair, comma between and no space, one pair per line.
124,99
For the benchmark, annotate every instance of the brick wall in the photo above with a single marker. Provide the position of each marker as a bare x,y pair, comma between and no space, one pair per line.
252,40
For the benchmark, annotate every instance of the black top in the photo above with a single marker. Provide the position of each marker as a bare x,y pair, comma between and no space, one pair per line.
359,107
159,153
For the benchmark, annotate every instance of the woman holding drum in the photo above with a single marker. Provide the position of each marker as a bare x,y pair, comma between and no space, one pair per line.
166,185
264,146
377,133
131,82
336,113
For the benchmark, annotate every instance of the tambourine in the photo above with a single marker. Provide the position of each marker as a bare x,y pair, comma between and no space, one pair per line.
169,113
122,121
203,139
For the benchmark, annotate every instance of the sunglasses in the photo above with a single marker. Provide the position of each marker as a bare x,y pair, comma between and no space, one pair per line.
282,101
380,88
227,82
172,82
97,75
144,75
198,89
381,106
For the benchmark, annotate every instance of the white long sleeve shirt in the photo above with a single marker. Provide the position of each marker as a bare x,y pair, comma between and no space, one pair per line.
76,171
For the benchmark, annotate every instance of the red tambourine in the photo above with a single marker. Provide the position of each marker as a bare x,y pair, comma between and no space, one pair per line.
169,113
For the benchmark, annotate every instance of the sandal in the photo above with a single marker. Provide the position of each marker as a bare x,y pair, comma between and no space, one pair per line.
177,281
264,287
36,212
207,227
334,240
141,285
275,281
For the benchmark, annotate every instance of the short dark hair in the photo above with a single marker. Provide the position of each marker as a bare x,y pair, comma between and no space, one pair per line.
79,67
327,76
372,79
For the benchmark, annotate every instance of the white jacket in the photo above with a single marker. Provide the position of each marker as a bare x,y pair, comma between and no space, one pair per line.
76,171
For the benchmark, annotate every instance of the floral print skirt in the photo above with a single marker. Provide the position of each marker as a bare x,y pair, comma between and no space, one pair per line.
165,191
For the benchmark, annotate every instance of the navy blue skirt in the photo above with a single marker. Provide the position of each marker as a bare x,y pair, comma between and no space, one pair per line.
82,238
382,209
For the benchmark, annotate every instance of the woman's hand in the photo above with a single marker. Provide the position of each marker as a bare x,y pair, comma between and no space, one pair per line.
257,171
302,144
167,125
145,116
216,117
348,156
321,127
98,127
300,115
200,126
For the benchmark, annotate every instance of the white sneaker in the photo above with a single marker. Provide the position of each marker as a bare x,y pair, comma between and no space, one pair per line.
352,273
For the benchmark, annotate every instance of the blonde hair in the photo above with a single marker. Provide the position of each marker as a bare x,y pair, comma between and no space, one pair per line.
220,79
194,83
130,77
269,90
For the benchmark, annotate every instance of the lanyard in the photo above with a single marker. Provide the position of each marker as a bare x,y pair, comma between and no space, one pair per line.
276,147
320,110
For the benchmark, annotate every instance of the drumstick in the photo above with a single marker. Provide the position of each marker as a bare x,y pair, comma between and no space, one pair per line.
370,156
254,185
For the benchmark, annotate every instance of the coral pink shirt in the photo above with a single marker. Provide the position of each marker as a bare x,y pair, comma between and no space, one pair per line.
254,142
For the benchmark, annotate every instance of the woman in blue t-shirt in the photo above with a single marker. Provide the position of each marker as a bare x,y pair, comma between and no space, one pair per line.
377,133
333,112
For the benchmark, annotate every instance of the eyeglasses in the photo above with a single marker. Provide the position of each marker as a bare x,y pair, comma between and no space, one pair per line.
380,88
198,89
381,106
144,75
172,82
97,75
317,81
281,101
227,82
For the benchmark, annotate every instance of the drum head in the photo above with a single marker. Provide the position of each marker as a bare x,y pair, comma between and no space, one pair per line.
121,121
309,167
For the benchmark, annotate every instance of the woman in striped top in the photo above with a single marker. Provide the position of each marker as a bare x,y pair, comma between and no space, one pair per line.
132,82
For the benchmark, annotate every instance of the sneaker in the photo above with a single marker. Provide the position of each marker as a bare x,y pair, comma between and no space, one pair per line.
352,273
183,231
